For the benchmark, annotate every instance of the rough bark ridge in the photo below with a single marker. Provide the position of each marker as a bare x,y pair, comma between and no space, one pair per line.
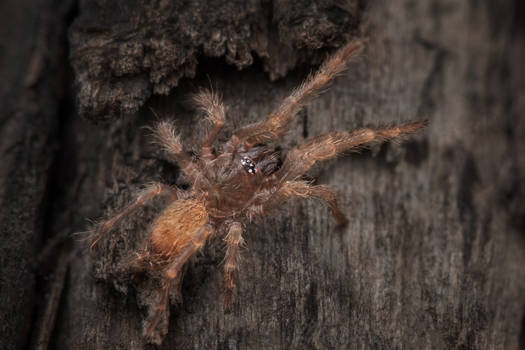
433,254
123,51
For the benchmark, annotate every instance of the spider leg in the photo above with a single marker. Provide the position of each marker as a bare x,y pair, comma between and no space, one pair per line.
164,134
173,270
162,309
279,121
303,189
187,252
211,104
151,191
332,144
231,262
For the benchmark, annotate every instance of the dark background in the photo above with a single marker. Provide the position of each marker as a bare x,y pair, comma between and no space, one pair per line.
434,253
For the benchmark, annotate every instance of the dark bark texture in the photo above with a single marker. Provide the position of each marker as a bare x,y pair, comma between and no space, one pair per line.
433,256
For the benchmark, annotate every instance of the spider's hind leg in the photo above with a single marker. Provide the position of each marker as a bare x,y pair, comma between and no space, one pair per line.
151,191
154,331
172,276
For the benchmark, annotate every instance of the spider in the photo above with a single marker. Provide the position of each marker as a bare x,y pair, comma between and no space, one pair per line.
248,179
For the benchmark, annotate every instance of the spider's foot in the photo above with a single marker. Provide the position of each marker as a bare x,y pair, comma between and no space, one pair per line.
341,222
104,228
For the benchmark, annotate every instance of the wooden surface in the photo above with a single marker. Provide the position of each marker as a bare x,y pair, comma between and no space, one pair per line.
32,81
433,254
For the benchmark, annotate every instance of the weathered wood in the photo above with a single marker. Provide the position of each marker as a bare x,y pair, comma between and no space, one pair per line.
433,254
123,51
32,75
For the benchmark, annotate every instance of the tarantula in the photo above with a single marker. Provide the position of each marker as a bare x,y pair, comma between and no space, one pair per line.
246,180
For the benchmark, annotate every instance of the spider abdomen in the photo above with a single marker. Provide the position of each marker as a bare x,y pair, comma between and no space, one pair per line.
177,226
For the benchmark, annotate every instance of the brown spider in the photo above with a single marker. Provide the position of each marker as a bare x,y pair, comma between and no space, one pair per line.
246,180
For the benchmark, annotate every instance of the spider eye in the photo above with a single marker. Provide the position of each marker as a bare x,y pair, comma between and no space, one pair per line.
248,165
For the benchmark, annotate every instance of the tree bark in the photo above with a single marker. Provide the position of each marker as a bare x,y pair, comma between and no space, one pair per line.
433,254
33,50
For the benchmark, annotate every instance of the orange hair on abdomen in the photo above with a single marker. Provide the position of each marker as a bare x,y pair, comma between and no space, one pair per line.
177,225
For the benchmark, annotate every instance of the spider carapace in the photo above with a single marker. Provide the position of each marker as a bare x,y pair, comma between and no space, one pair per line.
247,178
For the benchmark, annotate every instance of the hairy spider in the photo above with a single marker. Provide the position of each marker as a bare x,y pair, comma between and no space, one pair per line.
246,180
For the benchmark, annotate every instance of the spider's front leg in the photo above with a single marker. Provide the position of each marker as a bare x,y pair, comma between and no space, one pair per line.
231,262
211,104
333,144
151,191
279,121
